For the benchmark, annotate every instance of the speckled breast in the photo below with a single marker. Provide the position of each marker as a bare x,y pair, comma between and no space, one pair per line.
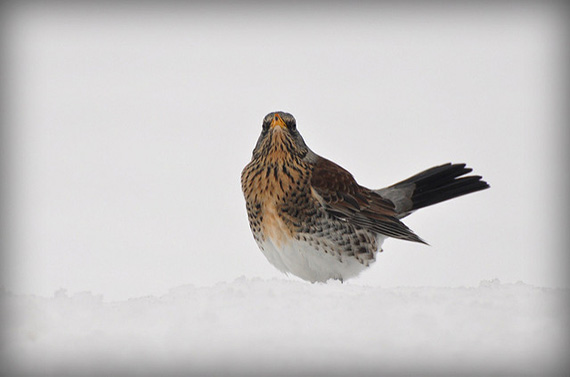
282,208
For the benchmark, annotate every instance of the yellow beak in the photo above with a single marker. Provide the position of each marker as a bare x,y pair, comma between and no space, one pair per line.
277,121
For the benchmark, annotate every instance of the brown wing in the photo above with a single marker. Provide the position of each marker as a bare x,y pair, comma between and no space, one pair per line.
347,200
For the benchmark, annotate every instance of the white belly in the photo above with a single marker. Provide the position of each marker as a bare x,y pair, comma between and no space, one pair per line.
308,263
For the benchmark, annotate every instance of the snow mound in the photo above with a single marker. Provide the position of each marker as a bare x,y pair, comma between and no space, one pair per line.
285,327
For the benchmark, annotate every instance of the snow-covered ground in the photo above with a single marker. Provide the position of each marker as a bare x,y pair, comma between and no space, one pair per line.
288,327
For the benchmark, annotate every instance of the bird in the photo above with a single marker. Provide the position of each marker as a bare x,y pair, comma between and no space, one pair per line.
310,217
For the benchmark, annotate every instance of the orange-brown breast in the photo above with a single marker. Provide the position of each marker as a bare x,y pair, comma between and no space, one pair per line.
275,187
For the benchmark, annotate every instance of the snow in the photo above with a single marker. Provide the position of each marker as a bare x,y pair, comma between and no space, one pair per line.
289,327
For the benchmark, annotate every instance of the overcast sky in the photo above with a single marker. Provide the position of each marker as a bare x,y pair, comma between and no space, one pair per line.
128,128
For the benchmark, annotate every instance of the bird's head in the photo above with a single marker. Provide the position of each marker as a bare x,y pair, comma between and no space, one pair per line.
279,138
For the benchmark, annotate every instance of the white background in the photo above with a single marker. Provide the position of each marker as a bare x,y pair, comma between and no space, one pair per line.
128,127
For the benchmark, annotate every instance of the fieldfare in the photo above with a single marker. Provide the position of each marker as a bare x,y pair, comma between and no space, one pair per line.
310,218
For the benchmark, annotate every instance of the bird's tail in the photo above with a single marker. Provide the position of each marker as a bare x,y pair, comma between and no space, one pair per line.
432,186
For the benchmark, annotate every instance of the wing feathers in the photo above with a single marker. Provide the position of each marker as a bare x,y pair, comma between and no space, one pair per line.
346,199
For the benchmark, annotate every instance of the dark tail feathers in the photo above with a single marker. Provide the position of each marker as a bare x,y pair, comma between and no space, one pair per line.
441,183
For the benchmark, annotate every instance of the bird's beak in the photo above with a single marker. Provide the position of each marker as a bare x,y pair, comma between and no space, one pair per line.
277,121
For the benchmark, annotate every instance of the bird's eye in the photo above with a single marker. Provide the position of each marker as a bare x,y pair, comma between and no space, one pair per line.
290,123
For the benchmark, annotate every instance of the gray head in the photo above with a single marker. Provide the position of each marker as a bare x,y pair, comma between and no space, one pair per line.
279,137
